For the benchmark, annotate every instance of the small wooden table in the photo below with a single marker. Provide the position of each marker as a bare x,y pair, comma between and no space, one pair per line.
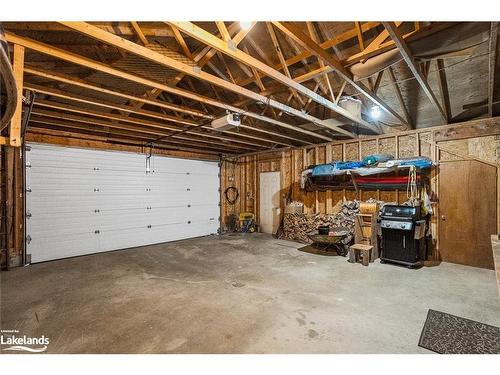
360,249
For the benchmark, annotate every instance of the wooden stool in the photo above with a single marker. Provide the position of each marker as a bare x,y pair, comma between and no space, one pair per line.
359,249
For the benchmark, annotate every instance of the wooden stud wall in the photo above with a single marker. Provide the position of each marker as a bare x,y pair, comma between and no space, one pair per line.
243,172
12,206
291,162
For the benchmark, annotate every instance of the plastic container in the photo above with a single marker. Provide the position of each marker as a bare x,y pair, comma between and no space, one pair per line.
324,230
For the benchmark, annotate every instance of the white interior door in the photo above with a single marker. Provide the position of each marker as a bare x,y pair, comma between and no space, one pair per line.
269,196
82,201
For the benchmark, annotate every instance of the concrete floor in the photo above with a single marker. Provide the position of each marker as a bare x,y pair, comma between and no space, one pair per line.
236,294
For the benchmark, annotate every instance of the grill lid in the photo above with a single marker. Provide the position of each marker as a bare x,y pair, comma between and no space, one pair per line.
400,212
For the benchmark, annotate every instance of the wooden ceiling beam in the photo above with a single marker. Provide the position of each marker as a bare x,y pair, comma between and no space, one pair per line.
221,26
378,41
492,61
412,64
443,89
92,64
121,28
139,32
367,53
203,57
361,42
255,74
211,40
314,36
103,36
146,129
132,133
182,43
377,47
281,57
135,121
195,125
113,139
86,85
341,91
101,103
399,95
307,43
325,45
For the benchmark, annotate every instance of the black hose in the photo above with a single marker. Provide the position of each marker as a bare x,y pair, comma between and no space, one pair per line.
236,192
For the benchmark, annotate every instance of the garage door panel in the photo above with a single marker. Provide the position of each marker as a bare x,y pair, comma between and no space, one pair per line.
122,238
128,219
62,223
48,183
87,201
55,247
37,205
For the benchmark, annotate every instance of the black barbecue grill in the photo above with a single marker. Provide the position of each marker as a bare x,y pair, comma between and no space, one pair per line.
402,235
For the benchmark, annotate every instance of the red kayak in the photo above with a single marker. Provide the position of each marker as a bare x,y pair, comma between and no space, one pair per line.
384,180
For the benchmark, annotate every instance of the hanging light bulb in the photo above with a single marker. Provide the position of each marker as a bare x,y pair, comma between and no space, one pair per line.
375,112
245,25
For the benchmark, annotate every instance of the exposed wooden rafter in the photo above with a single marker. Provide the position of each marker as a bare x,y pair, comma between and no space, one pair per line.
223,30
201,57
370,51
281,57
102,103
399,96
315,37
132,109
211,40
92,64
180,40
167,61
86,85
306,42
139,33
54,119
137,123
443,89
360,36
412,64
61,136
492,65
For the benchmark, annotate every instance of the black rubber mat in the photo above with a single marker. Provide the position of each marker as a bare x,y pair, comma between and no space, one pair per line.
449,334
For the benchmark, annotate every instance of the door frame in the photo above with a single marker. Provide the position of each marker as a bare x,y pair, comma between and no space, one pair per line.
259,198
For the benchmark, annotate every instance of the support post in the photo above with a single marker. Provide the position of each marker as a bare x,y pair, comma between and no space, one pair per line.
15,124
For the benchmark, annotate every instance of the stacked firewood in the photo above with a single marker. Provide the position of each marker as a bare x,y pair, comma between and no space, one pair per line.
297,227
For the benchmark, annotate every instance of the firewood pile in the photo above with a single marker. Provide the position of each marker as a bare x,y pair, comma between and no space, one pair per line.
296,227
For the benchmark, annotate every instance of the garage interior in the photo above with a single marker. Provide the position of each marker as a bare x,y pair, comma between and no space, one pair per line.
250,187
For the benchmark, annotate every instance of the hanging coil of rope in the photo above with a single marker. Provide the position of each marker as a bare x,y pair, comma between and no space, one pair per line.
411,188
8,81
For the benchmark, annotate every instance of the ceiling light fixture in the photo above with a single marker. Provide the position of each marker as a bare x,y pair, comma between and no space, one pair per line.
375,112
245,25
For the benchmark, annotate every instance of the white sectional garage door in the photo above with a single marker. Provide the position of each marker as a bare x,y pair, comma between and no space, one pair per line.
82,201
